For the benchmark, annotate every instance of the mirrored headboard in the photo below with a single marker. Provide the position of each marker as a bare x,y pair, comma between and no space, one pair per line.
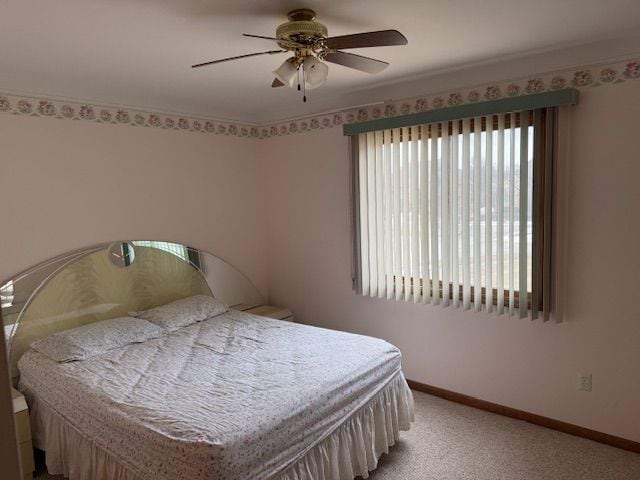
110,280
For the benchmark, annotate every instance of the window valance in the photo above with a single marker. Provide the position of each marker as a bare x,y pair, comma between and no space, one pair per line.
556,98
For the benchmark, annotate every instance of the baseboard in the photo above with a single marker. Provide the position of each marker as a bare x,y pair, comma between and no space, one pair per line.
527,417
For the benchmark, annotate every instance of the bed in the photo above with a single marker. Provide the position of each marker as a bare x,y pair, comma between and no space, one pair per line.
233,396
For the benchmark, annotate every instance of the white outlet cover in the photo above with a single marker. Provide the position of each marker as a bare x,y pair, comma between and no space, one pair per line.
584,382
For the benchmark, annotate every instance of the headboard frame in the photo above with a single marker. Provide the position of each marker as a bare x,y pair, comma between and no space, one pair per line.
110,280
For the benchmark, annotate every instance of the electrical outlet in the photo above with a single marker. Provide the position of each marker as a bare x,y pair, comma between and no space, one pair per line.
584,382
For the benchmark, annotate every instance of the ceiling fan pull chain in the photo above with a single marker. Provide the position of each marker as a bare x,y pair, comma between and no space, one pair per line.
304,86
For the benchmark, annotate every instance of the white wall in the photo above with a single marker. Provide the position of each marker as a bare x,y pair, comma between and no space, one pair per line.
69,184
529,365
278,209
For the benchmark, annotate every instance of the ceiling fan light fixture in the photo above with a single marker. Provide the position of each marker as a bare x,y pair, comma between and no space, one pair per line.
315,72
287,72
311,46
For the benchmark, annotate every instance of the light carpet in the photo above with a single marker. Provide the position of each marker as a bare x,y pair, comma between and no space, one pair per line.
450,441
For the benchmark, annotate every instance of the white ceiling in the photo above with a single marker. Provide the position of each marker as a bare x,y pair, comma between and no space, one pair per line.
139,52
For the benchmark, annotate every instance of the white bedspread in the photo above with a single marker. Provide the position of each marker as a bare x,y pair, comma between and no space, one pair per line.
234,397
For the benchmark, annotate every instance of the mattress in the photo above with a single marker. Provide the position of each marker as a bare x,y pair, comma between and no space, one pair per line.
233,397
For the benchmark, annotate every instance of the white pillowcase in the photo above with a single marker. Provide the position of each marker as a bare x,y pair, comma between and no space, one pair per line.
95,338
184,312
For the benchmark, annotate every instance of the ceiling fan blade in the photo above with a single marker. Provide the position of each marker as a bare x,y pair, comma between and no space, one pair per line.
259,36
213,62
382,38
290,43
277,83
351,60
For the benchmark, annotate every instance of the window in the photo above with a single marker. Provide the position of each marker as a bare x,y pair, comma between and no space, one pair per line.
457,212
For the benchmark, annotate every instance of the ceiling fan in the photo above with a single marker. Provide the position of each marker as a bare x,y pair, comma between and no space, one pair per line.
311,46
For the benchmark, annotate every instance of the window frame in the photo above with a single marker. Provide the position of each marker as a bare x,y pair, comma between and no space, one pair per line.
544,122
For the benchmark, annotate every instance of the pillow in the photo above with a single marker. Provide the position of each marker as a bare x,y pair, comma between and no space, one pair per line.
95,338
181,313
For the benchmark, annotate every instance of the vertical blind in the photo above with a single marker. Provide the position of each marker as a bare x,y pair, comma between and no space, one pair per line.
457,213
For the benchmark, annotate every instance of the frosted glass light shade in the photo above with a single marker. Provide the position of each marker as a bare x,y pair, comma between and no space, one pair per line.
315,72
287,72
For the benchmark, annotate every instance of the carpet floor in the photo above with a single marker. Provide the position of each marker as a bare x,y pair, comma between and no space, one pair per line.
450,441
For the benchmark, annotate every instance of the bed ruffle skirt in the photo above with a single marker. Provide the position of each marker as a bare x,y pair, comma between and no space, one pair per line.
351,450
355,446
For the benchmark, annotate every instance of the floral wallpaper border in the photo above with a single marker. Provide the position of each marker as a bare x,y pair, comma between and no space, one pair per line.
41,107
582,78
